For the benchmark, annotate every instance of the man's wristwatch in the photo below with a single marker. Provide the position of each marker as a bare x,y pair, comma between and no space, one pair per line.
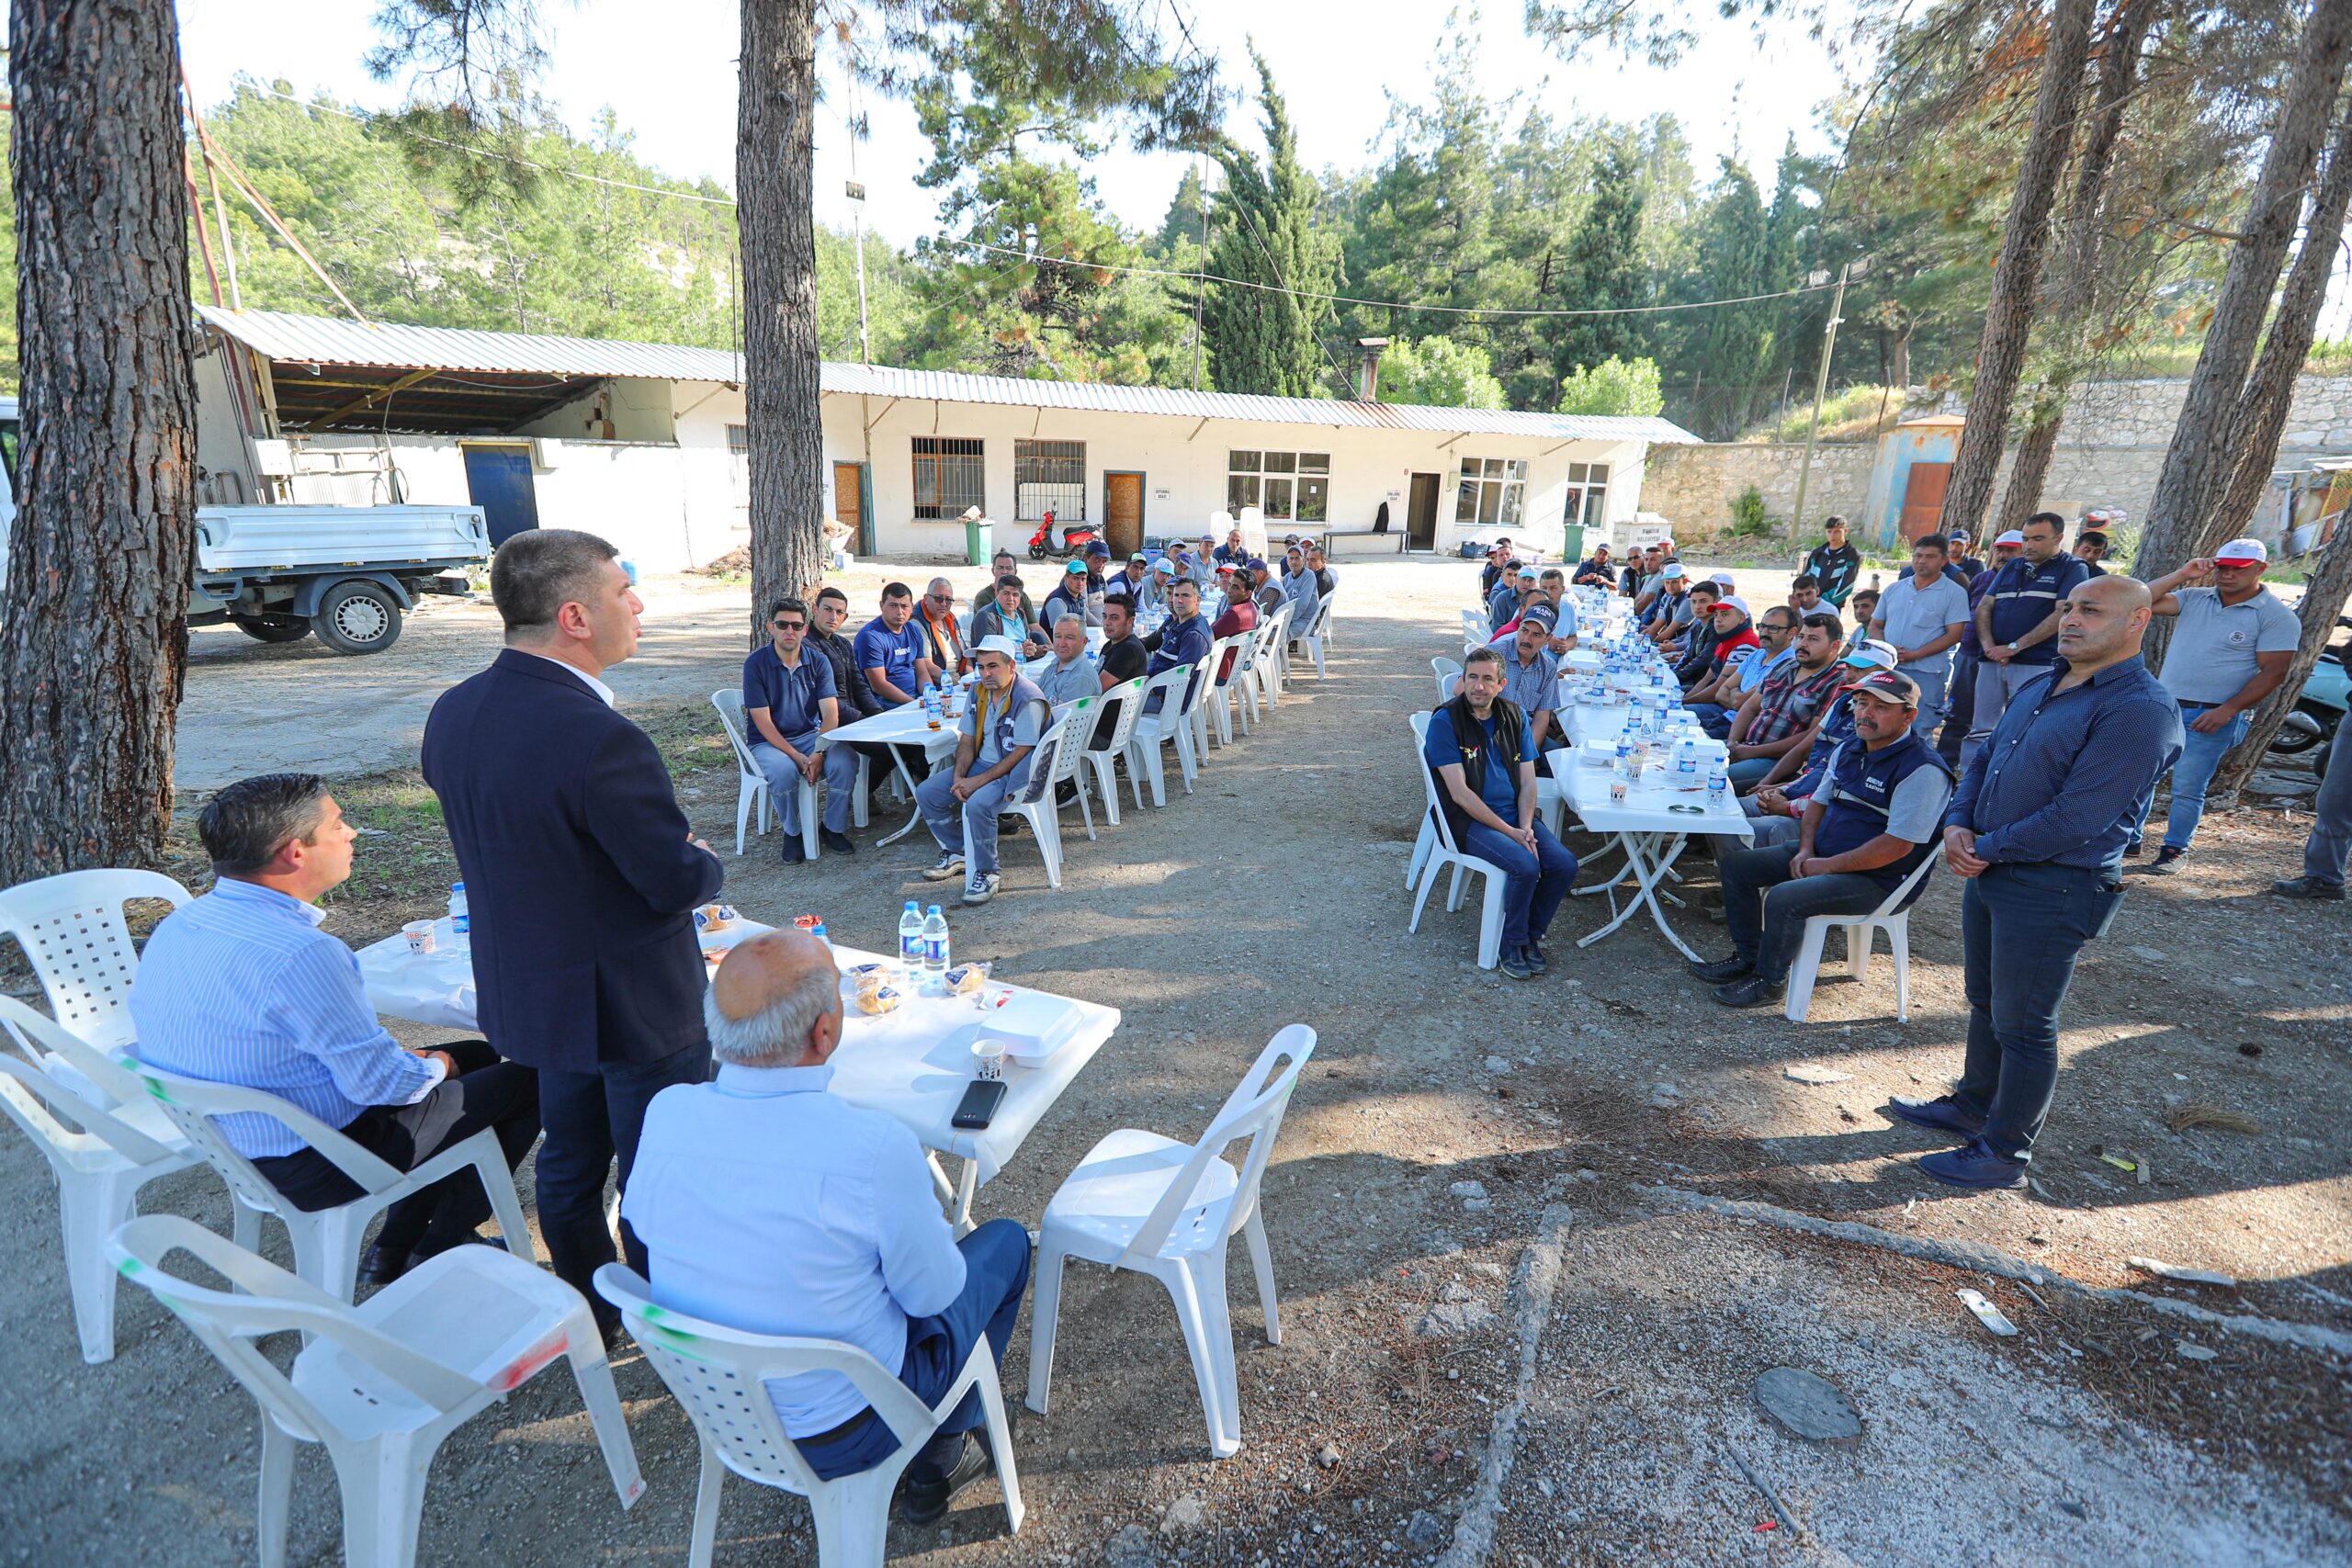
2013,646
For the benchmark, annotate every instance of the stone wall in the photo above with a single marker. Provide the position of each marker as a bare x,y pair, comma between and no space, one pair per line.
2109,455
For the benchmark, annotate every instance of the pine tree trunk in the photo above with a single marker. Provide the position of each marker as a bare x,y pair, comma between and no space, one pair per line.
2009,316
2181,515
774,171
93,625
2324,593
2028,472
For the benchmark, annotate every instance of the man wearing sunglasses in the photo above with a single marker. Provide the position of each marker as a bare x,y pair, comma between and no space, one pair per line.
935,619
790,699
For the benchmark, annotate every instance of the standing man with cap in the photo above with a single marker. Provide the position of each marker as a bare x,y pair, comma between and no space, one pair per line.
789,700
1967,565
582,876
2017,621
1835,564
1872,822
2038,828
1923,615
2231,647
1001,726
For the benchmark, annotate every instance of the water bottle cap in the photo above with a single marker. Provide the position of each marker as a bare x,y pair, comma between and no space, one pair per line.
933,909
914,907
456,888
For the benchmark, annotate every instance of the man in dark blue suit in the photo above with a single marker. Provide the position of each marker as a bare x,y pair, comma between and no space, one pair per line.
581,878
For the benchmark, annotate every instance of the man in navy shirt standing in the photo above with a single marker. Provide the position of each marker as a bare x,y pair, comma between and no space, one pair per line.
790,699
2038,828
2016,622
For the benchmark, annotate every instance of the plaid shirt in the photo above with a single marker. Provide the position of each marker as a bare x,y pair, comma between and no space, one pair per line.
1787,701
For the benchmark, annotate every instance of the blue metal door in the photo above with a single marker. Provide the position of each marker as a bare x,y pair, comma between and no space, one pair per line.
498,479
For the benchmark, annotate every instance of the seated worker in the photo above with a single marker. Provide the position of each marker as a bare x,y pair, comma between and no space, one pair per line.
769,1204
241,986
1498,561
1669,609
1532,682
1299,588
1267,593
1069,673
790,699
1690,653
1878,814
1155,589
1553,584
942,636
1002,564
1597,571
1239,614
1003,616
1715,702
1515,590
1233,552
1777,803
1479,732
1773,719
1805,595
1069,598
891,652
1003,721
1183,639
1133,579
1730,634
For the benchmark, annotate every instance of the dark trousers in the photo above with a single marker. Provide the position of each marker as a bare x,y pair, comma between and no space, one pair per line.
1764,909
592,1118
487,1092
995,1276
1961,711
2021,927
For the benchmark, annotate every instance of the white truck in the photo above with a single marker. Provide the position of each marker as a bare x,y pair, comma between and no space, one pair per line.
276,573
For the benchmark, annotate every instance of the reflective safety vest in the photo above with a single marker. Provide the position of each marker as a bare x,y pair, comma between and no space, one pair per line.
1858,792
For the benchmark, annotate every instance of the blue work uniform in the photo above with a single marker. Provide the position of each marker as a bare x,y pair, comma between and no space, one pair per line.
997,725
2021,595
894,653
1533,884
1177,642
794,696
1536,687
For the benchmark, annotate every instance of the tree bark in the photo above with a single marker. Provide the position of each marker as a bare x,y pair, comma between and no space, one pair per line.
92,626
2324,593
2025,235
774,171
2182,513
2028,472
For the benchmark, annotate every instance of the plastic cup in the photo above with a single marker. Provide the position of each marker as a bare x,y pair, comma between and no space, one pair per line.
988,1059
420,936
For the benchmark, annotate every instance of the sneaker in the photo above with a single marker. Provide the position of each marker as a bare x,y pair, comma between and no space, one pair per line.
928,1497
1515,965
2310,887
1536,959
1723,971
2131,850
981,889
947,865
1941,1115
2161,864
794,851
837,842
1974,1164
1753,992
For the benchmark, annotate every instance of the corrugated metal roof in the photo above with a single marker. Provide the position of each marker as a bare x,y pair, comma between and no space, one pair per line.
327,340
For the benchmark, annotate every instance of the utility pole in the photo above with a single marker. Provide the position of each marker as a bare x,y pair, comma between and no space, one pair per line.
1821,381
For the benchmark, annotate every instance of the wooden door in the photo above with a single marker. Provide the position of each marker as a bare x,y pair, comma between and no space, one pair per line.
1923,498
1421,513
845,492
1123,514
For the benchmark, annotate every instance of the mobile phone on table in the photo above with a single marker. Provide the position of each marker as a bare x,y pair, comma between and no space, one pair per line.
980,1102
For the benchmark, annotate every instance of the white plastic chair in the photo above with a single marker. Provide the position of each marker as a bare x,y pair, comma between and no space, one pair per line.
71,929
1233,690
1057,758
1892,917
1445,852
1199,711
1268,668
100,1152
326,1241
1152,1205
751,785
383,1385
1123,704
1475,627
1152,730
718,1376
1448,672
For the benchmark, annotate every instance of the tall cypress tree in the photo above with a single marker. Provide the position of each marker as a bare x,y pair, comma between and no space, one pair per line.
1603,270
1263,339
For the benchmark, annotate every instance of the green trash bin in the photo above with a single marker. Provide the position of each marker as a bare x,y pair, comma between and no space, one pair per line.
979,541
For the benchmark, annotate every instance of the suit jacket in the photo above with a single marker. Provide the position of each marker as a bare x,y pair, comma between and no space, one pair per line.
580,880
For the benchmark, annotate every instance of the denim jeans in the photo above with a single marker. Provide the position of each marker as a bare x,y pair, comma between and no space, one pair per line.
1533,885
2200,756
1934,679
995,1276
1764,909
2021,928
2331,841
1747,773
1713,719
839,772
973,824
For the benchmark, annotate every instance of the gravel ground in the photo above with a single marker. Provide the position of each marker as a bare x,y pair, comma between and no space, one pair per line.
1411,1299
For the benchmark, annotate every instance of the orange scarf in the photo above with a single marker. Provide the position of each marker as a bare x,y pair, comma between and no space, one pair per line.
946,637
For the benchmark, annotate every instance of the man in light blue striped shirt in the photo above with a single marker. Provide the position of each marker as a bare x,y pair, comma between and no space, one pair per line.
242,987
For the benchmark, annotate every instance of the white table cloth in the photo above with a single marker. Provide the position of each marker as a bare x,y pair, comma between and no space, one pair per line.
905,724
912,1064
1652,824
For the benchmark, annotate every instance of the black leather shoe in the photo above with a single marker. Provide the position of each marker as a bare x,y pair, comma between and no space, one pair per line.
929,1498
1722,970
794,851
377,1267
1753,992
837,842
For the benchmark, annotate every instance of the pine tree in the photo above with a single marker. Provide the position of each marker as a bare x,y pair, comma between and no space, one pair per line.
1263,339
1604,270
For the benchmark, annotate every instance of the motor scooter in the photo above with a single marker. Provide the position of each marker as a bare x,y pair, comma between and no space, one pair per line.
2319,709
1076,537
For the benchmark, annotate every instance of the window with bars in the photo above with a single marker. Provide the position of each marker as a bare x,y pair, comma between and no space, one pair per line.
1049,476
1493,492
1284,486
948,478
1588,500
738,440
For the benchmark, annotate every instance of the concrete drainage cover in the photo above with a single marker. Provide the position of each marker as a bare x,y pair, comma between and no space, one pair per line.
1807,1405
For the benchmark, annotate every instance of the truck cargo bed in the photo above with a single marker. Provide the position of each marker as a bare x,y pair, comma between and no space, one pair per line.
307,538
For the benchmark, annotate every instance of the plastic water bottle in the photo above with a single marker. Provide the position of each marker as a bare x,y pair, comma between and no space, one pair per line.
1626,749
934,948
1718,781
910,938
460,925
1686,757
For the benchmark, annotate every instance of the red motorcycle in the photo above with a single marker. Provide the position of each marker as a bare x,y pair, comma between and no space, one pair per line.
1074,539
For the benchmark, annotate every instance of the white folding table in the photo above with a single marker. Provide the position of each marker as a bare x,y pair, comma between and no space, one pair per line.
914,1064
1652,824
905,724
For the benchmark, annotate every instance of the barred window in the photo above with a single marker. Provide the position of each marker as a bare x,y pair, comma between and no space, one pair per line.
948,479
1049,476
738,440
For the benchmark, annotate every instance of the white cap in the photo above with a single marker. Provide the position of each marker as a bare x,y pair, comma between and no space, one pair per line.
1723,578
1671,568
1872,654
999,644
2242,550
1733,601
1163,564
2012,536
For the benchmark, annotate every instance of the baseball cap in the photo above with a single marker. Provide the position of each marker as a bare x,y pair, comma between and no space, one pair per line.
1872,655
1733,601
2012,536
2242,552
1891,685
1527,574
1077,566
1258,563
1224,566
1003,645
1141,556
1543,616
1723,580
1163,564
1671,568
1098,549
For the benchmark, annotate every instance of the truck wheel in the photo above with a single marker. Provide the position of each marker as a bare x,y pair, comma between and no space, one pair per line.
272,628
357,617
